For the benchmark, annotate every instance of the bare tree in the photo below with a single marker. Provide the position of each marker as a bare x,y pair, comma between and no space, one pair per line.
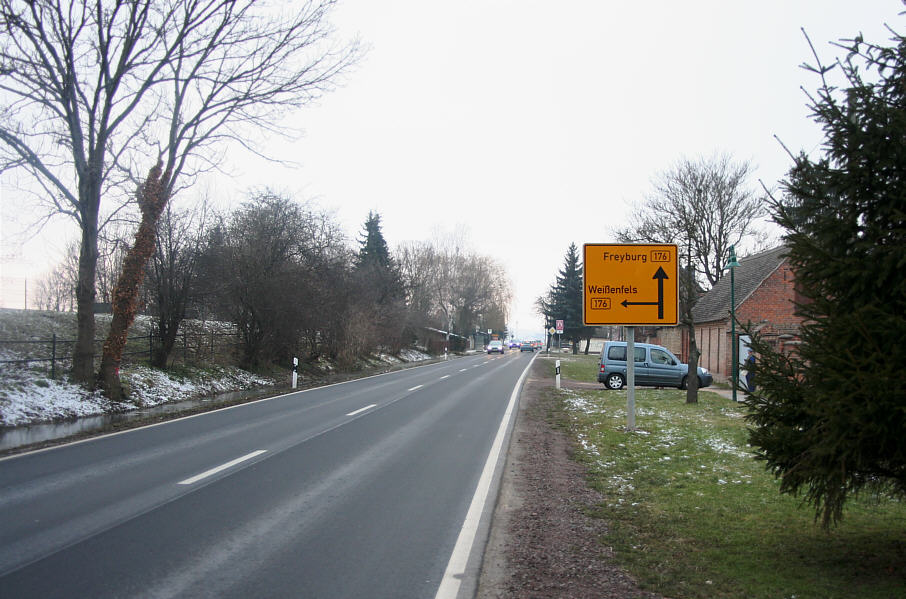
418,266
451,285
171,274
56,290
112,249
95,92
704,206
278,269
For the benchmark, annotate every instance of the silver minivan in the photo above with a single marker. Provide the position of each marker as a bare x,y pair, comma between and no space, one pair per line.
655,366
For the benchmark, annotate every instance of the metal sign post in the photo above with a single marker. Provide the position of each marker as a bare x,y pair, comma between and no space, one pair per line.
630,378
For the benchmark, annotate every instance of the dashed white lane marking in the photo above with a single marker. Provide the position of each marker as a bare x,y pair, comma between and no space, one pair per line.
446,376
416,387
230,464
360,410
463,369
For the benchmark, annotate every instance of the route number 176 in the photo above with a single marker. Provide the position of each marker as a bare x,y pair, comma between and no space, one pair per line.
660,256
600,303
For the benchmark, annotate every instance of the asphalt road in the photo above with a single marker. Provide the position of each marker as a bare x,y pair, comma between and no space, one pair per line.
353,490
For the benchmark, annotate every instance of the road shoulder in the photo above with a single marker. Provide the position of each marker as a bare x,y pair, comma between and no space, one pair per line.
542,544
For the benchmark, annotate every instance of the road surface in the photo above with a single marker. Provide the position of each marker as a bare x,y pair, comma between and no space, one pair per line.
359,489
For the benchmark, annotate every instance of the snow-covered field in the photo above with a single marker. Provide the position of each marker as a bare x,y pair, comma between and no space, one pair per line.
29,395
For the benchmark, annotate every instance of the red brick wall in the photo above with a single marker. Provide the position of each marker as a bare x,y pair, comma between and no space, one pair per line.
770,308
772,302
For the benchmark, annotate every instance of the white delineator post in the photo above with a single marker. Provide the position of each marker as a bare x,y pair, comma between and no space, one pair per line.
295,372
558,375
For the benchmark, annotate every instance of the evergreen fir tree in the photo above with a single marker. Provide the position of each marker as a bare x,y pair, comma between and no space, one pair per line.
564,301
830,421
373,248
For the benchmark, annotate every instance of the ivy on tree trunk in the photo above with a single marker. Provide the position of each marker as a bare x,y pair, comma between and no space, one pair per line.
152,198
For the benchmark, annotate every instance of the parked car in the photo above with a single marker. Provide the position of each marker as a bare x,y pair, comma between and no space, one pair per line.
655,366
496,346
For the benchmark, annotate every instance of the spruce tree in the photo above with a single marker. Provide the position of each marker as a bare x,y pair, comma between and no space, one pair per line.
380,298
830,419
373,248
565,298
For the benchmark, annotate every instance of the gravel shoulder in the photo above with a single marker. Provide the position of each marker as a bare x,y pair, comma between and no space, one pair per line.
541,544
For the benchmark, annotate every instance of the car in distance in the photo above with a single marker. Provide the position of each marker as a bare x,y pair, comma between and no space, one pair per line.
655,366
496,346
527,346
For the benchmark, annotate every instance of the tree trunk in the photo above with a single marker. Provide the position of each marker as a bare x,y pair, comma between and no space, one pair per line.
152,198
692,376
168,329
83,352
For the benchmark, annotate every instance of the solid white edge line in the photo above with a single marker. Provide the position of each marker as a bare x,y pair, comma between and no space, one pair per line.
456,567
360,410
212,471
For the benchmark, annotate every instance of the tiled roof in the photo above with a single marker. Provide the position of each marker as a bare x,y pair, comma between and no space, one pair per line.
750,274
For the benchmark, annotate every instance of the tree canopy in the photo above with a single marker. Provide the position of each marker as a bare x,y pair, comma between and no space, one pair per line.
830,419
704,206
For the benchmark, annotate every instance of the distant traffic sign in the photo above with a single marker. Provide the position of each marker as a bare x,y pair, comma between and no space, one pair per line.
560,327
630,284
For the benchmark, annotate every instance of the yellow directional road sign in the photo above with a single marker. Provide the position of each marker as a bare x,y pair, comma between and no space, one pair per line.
630,284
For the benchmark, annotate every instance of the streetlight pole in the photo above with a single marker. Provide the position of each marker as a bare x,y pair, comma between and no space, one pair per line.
732,266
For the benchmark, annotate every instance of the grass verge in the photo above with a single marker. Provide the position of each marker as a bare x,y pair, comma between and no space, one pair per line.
692,514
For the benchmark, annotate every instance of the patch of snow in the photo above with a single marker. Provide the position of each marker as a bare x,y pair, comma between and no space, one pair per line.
36,399
721,446
28,397
413,355
580,403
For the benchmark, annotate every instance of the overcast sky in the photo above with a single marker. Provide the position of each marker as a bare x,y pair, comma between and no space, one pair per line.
532,124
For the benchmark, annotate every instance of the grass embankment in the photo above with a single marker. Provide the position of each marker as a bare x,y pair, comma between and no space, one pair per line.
692,514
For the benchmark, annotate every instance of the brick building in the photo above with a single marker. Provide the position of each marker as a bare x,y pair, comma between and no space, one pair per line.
765,293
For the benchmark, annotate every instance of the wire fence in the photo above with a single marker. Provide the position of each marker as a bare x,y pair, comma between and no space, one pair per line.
191,347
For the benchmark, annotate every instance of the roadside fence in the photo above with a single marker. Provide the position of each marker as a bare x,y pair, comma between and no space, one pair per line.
192,346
